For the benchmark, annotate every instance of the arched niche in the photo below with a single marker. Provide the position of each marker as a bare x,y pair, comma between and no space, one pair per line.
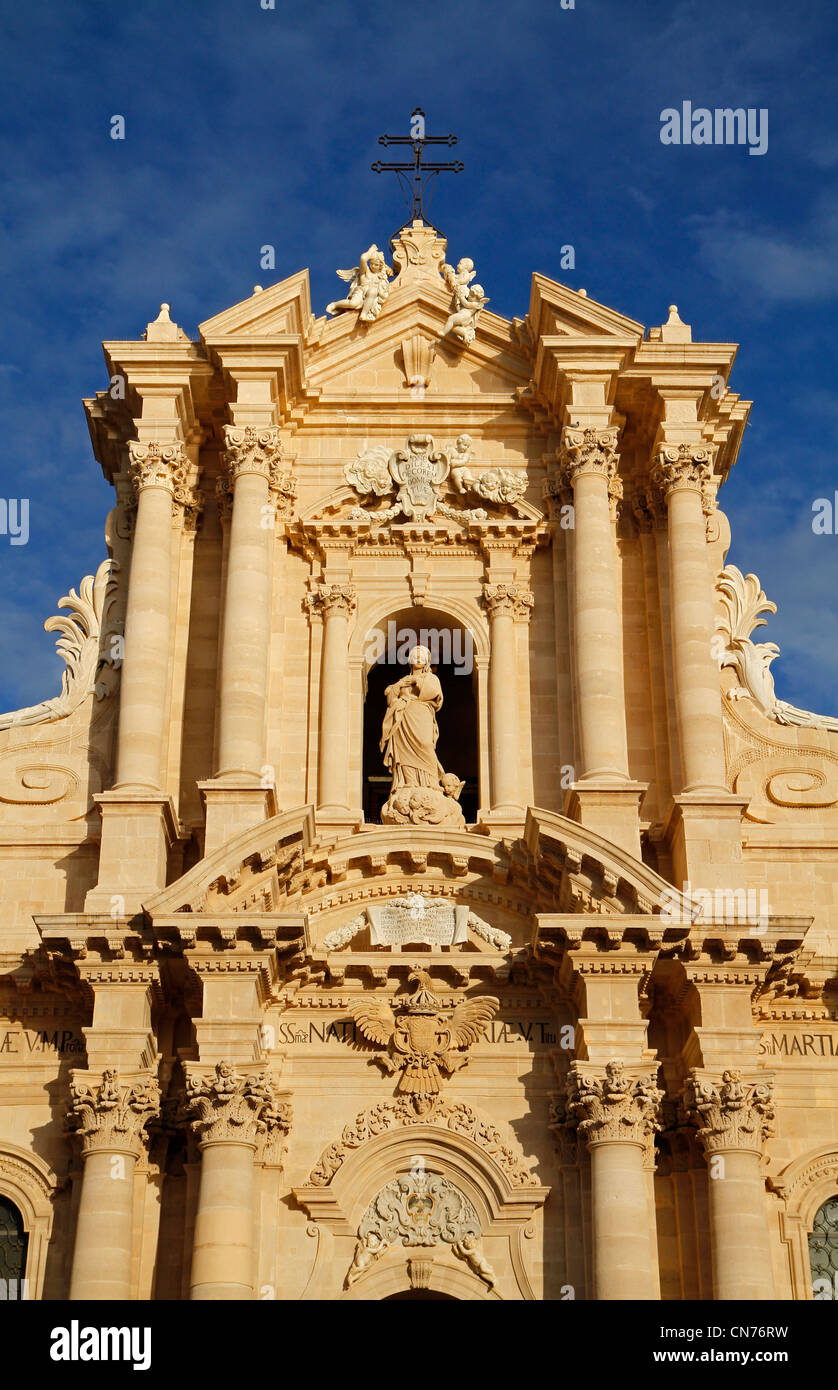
29,1184
381,650
507,1209
805,1185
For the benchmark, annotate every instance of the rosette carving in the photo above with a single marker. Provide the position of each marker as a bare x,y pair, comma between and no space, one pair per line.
731,1113
613,1106
110,1115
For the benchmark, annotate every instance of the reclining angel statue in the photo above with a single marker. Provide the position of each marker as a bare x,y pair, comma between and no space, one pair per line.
368,287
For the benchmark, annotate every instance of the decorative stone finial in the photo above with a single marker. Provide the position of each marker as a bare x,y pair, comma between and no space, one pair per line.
674,331
418,253
162,329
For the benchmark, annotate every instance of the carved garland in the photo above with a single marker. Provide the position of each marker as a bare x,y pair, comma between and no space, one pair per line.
456,1116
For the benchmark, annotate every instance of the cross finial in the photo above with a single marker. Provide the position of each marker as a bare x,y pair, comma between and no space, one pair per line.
416,176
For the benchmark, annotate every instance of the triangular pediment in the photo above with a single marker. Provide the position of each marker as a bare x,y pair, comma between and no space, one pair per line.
557,310
283,309
354,356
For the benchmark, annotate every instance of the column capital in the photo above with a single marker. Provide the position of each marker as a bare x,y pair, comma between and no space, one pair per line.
608,1105
224,1106
508,600
160,464
682,467
730,1113
252,449
326,599
110,1116
587,451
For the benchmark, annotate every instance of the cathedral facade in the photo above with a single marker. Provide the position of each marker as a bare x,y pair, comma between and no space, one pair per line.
417,888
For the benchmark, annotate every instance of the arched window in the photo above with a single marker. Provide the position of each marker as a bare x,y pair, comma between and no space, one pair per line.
823,1251
13,1242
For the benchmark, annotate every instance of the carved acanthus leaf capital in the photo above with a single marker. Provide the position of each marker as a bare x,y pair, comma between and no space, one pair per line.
730,1113
683,467
326,599
155,464
508,600
224,1106
588,451
109,1116
613,1106
557,494
248,449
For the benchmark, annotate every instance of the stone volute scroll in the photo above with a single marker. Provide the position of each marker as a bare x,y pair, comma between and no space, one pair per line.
422,792
743,601
89,644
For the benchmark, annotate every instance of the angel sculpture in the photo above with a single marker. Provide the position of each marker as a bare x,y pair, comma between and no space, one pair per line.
502,486
368,286
469,300
424,1042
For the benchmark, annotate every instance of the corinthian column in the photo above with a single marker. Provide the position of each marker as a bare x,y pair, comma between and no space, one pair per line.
682,473
250,488
158,473
233,1115
588,461
335,603
252,462
506,604
109,1118
734,1120
138,816
618,1115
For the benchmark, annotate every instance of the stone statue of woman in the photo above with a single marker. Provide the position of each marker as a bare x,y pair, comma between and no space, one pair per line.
422,792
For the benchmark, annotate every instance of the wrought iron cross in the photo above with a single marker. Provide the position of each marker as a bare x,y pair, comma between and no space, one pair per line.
416,177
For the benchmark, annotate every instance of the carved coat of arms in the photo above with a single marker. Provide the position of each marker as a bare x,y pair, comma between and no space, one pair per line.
424,1042
417,474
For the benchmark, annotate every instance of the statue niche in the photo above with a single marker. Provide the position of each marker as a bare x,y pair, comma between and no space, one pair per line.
421,791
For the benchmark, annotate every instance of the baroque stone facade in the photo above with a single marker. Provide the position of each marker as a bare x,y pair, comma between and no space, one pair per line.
548,1012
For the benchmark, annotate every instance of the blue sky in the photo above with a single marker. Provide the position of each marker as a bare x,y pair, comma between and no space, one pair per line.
247,126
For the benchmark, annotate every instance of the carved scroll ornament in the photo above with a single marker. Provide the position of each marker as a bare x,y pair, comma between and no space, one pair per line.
88,644
744,602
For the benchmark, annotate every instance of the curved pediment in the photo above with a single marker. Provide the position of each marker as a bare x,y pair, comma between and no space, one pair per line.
556,865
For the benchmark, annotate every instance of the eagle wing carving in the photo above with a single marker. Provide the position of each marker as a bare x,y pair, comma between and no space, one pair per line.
375,1020
471,1018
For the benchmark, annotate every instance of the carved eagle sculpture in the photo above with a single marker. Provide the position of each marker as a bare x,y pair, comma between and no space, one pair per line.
423,1040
